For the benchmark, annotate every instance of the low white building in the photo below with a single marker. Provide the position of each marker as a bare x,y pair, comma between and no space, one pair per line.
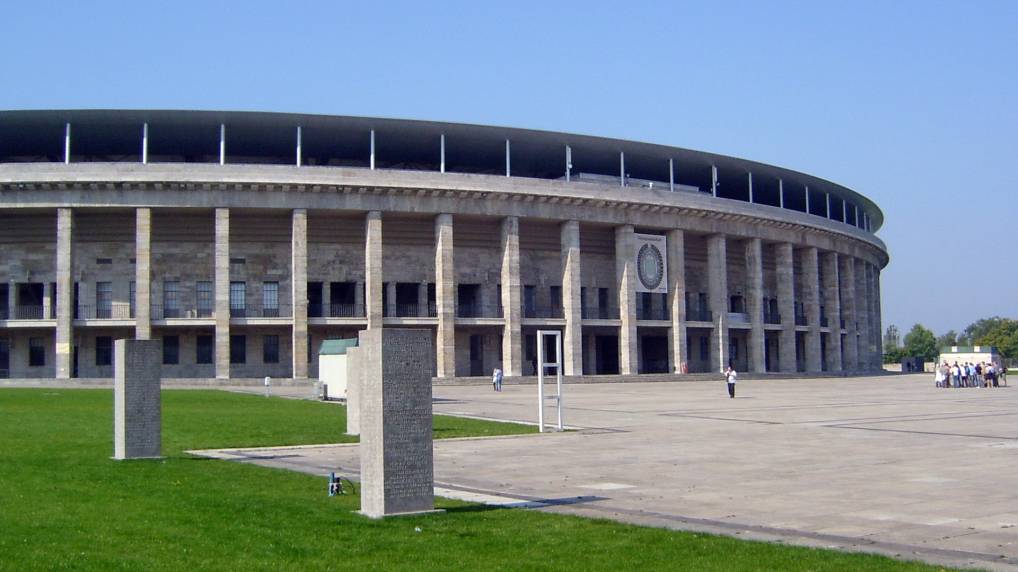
970,354
332,366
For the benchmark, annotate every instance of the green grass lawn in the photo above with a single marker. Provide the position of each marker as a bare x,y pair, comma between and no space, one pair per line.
65,505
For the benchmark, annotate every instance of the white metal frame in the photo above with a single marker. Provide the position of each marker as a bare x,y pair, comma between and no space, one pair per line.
541,365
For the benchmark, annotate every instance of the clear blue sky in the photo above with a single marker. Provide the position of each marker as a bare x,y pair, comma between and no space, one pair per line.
914,104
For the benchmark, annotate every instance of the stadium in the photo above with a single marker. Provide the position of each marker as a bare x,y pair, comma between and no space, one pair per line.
242,240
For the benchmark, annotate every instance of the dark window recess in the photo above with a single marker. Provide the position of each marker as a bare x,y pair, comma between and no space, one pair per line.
238,349
238,261
133,260
103,350
105,260
36,352
270,349
171,350
204,349
704,348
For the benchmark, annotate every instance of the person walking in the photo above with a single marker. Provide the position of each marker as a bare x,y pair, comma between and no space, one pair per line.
731,377
496,379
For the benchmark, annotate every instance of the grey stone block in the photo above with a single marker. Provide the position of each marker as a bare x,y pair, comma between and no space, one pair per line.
137,403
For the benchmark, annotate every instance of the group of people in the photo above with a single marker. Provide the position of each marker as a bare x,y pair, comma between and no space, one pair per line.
970,375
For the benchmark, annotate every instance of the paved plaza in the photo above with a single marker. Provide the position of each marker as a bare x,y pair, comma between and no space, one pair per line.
884,464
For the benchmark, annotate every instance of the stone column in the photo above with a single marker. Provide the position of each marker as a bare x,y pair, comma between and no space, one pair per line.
47,301
422,299
65,293
222,293
862,312
625,274
512,334
358,299
754,298
811,301
717,280
143,274
326,297
833,305
590,355
137,402
572,340
878,351
373,269
299,292
846,277
677,299
785,267
445,296
390,299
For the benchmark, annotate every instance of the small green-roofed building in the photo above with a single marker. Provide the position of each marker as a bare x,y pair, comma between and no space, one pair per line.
332,365
970,354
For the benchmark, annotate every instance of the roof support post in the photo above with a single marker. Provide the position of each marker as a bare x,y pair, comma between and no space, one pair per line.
781,193
828,205
507,158
441,152
67,143
857,221
622,168
844,210
222,143
671,176
750,187
299,145
569,161
807,198
714,180
372,149
144,144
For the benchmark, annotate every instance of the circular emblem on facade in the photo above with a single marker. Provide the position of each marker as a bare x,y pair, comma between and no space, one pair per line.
650,266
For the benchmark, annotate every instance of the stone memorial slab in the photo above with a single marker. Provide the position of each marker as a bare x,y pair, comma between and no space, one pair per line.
354,369
137,403
397,463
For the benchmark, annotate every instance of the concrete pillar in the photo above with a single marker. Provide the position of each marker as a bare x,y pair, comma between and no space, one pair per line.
143,274
422,299
717,280
512,311
625,274
878,322
846,277
373,269
390,298
47,301
326,297
137,400
65,293
572,340
358,298
222,293
677,300
590,355
833,306
445,296
811,301
754,304
863,317
299,292
785,268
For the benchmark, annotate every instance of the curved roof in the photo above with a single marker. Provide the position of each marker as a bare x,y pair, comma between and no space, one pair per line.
263,137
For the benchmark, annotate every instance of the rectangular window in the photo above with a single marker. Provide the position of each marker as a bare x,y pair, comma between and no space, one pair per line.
204,349
270,349
704,348
36,352
132,295
103,350
171,350
270,299
238,299
103,300
204,299
171,299
529,300
556,297
238,349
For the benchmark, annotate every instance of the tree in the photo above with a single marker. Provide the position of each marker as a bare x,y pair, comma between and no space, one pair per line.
1004,336
948,339
892,340
980,328
921,342
894,355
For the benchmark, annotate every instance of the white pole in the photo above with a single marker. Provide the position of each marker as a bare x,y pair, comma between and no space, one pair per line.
781,193
807,199
828,205
622,168
540,384
569,161
506,157
671,175
222,143
751,187
67,143
299,145
372,149
144,144
558,369
857,221
441,145
714,180
844,210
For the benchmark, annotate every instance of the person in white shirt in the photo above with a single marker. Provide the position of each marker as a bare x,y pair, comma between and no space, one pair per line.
730,377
